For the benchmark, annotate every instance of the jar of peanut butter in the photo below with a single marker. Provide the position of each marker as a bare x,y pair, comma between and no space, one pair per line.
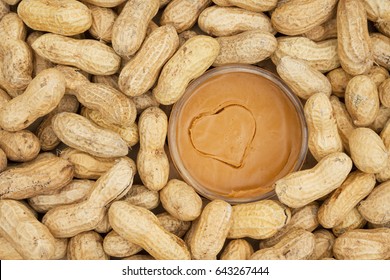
236,130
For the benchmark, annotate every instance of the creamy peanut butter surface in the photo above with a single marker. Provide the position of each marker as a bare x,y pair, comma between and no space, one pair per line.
237,134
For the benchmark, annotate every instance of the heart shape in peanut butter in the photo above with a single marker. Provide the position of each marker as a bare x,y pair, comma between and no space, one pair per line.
225,134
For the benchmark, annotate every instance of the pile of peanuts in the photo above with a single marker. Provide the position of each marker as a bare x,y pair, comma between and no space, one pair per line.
81,83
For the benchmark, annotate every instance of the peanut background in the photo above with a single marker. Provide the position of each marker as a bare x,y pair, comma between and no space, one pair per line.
86,88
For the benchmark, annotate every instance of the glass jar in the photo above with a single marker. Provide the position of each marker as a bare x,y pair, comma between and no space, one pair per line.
235,131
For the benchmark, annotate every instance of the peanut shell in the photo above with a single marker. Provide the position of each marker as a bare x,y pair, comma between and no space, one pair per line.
302,187
64,18
354,45
226,21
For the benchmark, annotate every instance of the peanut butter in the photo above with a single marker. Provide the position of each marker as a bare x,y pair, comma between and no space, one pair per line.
237,134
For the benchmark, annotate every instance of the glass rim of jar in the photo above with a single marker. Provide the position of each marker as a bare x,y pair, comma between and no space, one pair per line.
177,107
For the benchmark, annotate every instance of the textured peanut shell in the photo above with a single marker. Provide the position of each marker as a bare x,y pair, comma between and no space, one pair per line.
355,188
368,152
185,35
102,23
376,207
302,187
354,45
130,27
183,14
44,174
353,220
104,225
69,220
100,97
151,27
381,49
211,230
110,80
7,251
385,134
80,133
85,165
13,27
377,10
29,208
362,100
61,246
299,16
344,121
145,101
189,62
141,72
303,79
327,30
5,86
173,225
323,135
47,138
19,146
251,5
86,246
42,95
105,3
39,63
380,121
3,160
75,191
378,74
298,244
384,93
371,225
142,227
68,103
10,91
384,175
141,196
4,91
124,167
304,218
128,133
258,220
4,9
190,233
117,246
65,18
226,21
89,55
181,200
324,244
16,65
247,47
338,79
363,244
383,27
152,161
319,55
237,249
4,97
30,238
